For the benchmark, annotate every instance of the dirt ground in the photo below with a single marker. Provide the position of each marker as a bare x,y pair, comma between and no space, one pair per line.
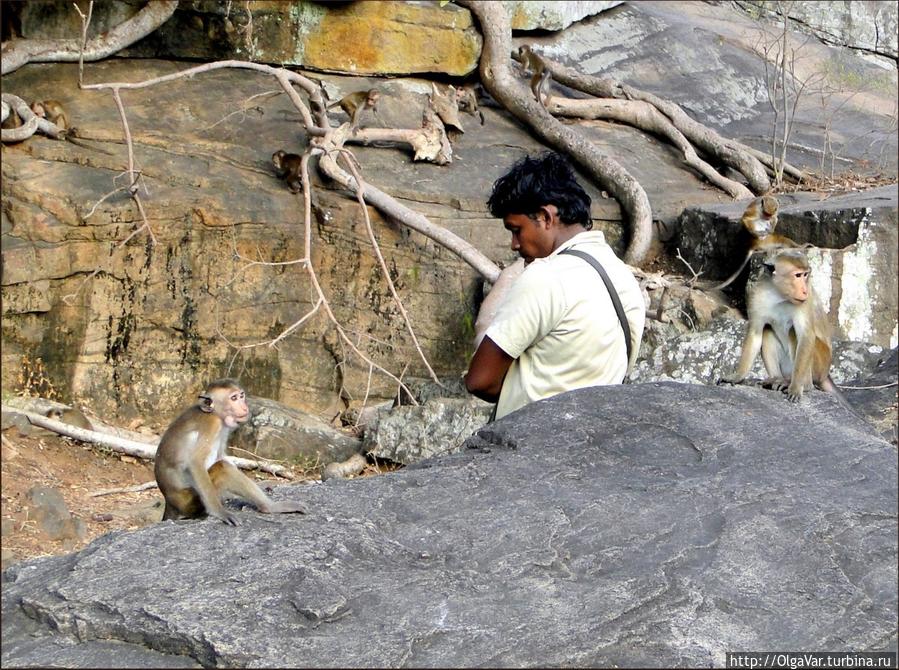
78,471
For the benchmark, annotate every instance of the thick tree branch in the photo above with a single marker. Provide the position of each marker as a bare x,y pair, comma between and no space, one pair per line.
705,138
393,209
429,142
506,88
646,117
19,52
32,122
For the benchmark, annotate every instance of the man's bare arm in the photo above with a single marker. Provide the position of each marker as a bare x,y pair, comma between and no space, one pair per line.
487,370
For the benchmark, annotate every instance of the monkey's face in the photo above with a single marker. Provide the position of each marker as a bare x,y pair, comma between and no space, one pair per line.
792,282
230,404
236,410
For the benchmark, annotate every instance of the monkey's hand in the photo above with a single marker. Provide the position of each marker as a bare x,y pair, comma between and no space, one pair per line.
226,517
287,507
794,392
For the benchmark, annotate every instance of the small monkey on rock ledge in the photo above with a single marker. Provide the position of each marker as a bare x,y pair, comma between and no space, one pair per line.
289,168
191,469
354,104
788,325
55,113
759,220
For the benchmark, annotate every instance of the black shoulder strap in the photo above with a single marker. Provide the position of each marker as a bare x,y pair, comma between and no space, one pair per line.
613,294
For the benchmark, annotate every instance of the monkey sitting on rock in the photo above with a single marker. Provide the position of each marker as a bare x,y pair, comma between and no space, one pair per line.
289,168
191,468
760,220
788,325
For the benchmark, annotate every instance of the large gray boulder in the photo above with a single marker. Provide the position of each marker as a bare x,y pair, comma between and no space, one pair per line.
280,432
642,525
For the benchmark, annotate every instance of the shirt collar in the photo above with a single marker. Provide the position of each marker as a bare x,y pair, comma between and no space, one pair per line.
582,237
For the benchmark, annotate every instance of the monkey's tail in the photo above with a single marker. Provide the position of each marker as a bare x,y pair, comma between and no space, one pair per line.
827,384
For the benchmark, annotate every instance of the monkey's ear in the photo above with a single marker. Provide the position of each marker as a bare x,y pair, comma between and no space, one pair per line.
205,403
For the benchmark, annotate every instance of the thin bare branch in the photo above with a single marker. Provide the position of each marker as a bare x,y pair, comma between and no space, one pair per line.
384,270
85,24
146,486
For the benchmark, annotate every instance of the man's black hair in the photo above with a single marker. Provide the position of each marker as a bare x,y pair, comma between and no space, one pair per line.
534,182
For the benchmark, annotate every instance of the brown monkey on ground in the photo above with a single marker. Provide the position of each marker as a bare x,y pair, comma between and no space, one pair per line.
760,220
12,121
55,113
71,416
191,469
353,104
532,61
788,325
467,99
289,168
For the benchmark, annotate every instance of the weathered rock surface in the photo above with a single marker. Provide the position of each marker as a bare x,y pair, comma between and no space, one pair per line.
551,15
868,26
411,433
154,320
280,432
704,356
853,267
52,515
643,525
875,396
389,37
383,37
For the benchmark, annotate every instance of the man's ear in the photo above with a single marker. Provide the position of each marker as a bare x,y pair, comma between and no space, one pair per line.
547,213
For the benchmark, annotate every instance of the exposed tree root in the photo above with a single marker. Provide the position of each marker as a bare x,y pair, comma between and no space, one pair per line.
507,89
646,117
17,53
745,160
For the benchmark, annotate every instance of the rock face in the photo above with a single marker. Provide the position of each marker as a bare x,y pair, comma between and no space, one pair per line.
411,433
52,515
551,15
704,356
353,37
158,320
279,432
867,26
383,37
655,525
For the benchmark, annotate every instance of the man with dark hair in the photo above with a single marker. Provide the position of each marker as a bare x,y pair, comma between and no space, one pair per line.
558,329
